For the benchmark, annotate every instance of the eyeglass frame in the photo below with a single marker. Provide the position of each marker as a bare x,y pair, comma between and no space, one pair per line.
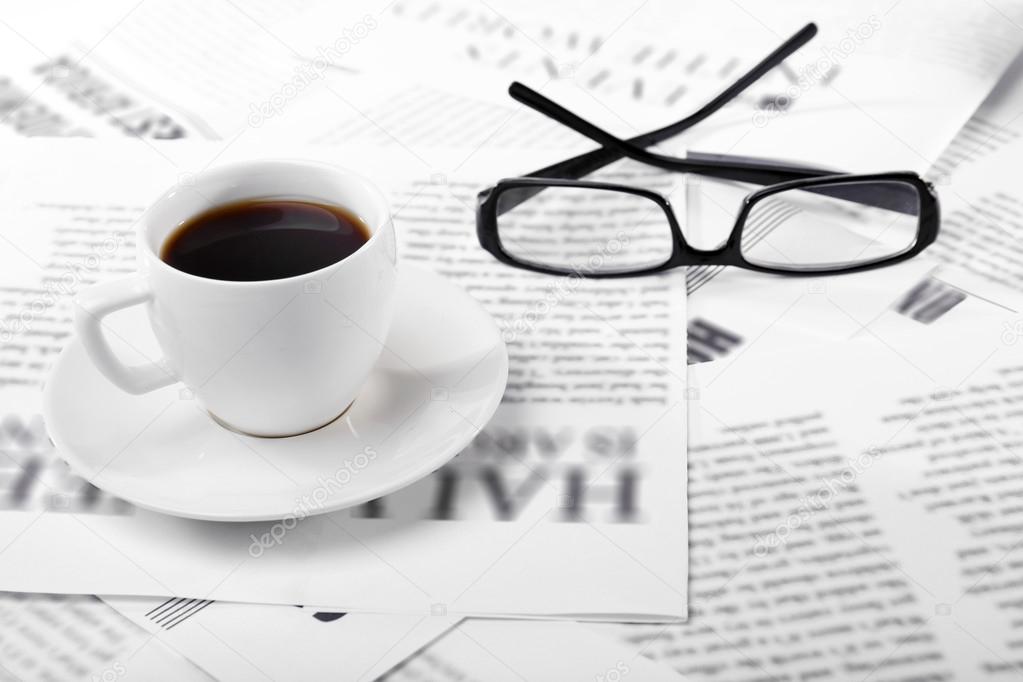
776,176
730,253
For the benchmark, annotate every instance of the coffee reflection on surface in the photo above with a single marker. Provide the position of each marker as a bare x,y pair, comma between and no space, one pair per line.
264,239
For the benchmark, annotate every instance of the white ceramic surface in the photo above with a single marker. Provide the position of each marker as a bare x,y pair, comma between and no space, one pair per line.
439,379
273,357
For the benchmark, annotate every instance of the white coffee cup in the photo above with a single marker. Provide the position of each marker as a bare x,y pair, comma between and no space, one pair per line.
268,358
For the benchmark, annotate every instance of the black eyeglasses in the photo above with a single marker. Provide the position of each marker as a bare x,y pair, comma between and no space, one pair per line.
804,221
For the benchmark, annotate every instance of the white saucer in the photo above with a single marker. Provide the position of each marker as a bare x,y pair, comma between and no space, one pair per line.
436,384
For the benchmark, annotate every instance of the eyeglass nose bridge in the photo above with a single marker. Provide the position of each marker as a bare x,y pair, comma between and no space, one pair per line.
690,255
687,254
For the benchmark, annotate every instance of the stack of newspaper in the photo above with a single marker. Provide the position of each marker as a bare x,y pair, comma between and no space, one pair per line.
712,474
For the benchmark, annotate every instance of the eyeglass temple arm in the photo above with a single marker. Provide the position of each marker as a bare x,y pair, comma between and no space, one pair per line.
756,172
761,172
584,164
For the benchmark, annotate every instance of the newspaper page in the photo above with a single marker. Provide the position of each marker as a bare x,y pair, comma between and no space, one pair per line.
54,93
489,650
860,503
231,641
579,480
981,219
869,92
78,637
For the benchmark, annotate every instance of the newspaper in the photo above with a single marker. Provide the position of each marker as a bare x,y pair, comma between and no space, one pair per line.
487,650
562,506
77,637
256,641
981,218
868,93
85,497
346,67
56,94
996,124
147,70
857,509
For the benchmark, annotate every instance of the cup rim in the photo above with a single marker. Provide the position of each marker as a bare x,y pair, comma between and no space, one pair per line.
346,174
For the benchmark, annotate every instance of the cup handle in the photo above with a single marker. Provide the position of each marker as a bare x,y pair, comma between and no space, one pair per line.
95,303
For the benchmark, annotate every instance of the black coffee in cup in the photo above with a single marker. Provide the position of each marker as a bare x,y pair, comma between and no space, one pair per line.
264,239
